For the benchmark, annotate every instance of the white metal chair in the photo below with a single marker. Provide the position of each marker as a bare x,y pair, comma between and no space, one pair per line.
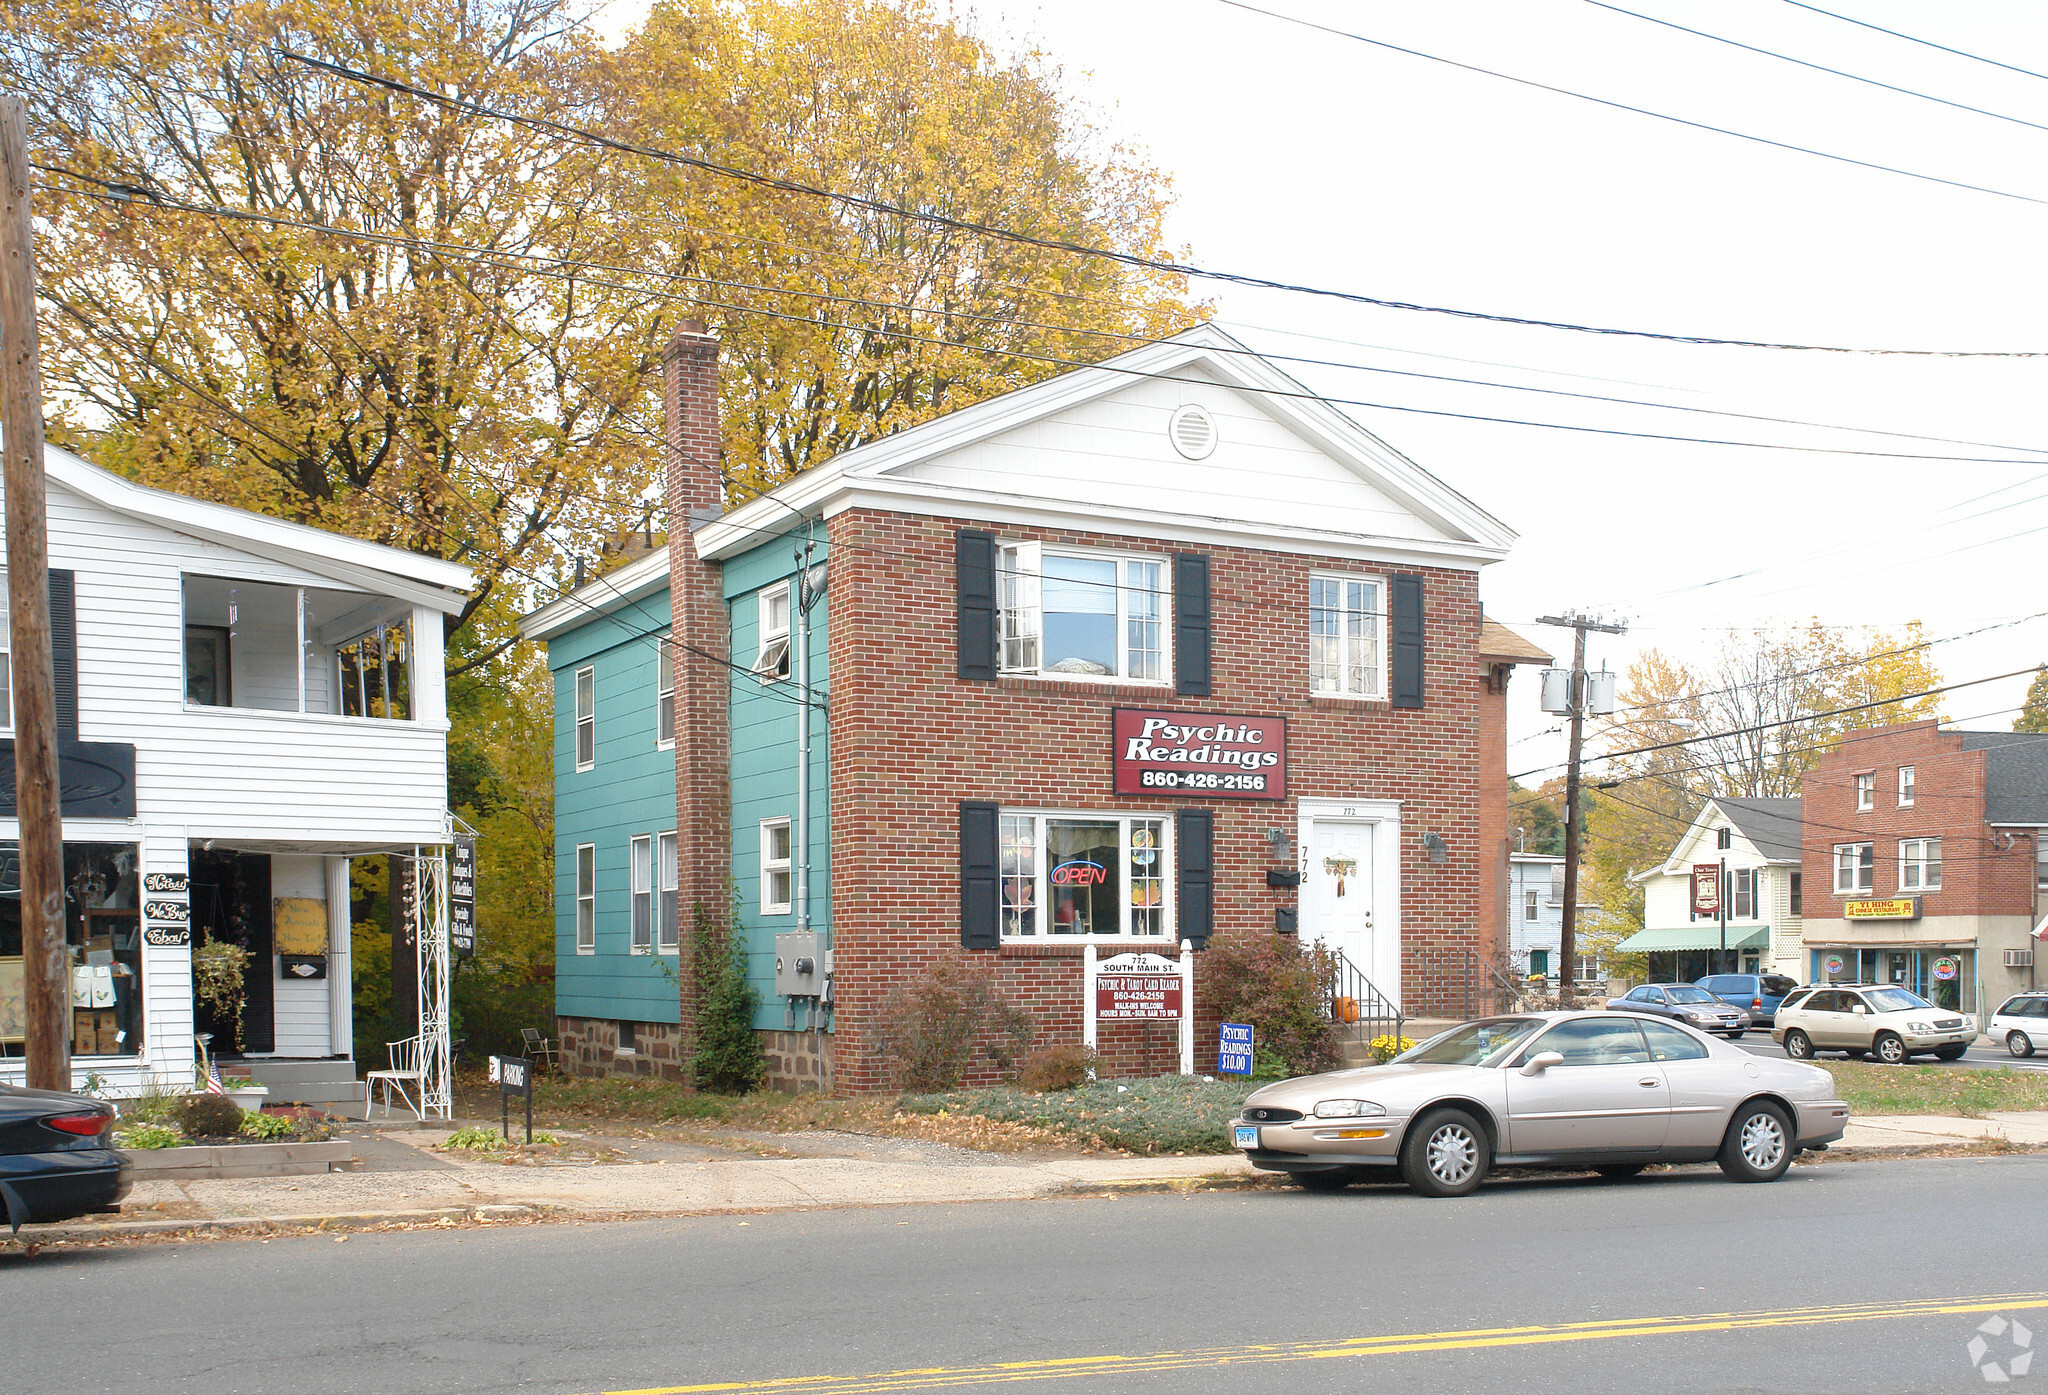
405,1067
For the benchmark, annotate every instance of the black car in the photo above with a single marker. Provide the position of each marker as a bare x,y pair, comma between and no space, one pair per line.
55,1158
1687,1003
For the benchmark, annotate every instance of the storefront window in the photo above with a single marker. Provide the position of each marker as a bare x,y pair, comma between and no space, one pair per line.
1093,875
103,940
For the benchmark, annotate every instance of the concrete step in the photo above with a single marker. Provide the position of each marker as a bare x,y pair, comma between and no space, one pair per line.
278,1070
326,1082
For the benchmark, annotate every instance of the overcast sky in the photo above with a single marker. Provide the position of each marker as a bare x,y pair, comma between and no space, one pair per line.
1310,158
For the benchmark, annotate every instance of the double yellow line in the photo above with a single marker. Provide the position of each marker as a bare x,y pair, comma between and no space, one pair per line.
1470,1339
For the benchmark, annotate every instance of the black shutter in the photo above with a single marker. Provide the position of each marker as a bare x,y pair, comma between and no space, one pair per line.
1194,847
1405,617
974,566
1191,624
64,653
980,875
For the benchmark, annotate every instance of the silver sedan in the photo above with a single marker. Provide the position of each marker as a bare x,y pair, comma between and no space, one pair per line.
1602,1090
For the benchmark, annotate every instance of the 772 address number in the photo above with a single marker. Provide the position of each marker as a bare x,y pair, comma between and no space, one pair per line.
1200,780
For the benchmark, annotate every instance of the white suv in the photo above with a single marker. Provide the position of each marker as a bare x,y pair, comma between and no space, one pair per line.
2022,1023
1887,1022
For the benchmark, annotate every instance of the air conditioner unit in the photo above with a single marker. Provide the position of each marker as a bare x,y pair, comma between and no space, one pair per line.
2019,959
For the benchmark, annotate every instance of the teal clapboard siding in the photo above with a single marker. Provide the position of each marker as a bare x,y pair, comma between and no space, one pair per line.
629,792
764,763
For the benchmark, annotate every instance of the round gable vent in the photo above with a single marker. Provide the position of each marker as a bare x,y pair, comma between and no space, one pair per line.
1193,431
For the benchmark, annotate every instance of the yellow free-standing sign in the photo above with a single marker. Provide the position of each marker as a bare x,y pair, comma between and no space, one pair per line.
1896,908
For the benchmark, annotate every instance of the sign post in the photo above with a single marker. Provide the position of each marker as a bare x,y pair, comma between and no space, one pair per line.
1140,987
513,1076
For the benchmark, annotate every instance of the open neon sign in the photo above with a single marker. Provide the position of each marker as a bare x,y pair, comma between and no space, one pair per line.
1080,873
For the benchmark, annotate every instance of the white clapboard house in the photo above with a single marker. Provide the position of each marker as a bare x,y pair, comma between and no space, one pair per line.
243,705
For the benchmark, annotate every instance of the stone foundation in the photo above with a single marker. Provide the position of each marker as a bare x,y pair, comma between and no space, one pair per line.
590,1046
797,1061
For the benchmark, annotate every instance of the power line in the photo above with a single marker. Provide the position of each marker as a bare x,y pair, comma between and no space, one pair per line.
1816,67
1639,111
1866,24
1130,259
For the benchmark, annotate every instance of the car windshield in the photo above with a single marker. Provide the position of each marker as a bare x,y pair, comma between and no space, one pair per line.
1474,1044
1895,1000
1686,993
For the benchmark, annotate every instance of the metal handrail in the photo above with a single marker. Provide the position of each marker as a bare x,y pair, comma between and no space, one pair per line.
1370,1013
1488,989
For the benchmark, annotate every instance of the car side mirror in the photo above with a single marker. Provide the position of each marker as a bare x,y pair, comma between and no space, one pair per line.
1860,1010
1542,1061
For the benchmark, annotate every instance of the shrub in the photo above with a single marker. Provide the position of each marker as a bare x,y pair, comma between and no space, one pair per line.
728,1058
141,1136
475,1140
1280,989
1167,1114
210,1116
928,1029
257,1124
1056,1067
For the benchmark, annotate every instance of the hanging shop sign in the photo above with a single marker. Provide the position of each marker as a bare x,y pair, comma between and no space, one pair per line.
1947,967
164,883
1140,987
1216,755
1833,965
1892,908
462,896
1706,888
299,925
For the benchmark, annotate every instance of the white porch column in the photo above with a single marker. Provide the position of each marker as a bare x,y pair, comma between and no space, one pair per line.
340,979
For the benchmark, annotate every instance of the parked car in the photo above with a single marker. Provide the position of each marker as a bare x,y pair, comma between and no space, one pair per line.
1683,1002
1608,1091
2022,1023
1861,1019
1757,994
55,1158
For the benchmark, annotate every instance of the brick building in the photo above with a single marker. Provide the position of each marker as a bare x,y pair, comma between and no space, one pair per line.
1113,658
1923,861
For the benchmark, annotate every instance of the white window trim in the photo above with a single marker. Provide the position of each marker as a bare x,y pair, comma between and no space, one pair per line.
1866,791
584,719
665,691
1379,617
1020,612
783,864
1531,899
771,658
1908,786
639,895
1123,818
1919,864
668,933
1835,859
586,902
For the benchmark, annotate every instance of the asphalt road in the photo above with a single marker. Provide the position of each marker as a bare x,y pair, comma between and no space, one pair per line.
1845,1276
1984,1055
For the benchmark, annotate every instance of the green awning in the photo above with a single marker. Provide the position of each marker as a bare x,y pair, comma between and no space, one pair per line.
1659,941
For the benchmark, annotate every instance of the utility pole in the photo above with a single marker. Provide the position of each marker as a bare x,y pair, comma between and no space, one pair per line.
45,963
1577,705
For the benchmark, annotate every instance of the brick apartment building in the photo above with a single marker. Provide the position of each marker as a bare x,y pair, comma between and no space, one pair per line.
1112,658
1923,861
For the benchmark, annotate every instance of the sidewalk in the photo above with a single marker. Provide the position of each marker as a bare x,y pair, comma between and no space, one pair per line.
399,1180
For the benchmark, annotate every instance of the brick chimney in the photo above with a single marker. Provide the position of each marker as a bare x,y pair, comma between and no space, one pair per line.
699,628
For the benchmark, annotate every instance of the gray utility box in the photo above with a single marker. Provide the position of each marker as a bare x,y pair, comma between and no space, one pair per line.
799,969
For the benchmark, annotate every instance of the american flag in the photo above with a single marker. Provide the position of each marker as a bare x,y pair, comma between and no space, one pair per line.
213,1085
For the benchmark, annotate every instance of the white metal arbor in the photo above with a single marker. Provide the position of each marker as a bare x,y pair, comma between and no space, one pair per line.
429,896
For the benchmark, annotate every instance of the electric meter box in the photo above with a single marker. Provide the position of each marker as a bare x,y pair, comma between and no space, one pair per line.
799,973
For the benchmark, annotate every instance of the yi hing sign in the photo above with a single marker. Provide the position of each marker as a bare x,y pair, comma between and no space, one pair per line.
1211,754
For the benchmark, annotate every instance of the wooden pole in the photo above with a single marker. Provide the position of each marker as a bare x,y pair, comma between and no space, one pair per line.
45,961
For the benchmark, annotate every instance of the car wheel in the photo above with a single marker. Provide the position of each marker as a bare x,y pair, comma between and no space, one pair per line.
1333,1181
1735,1036
1445,1154
2019,1044
1798,1045
1889,1048
1949,1053
1758,1147
1615,1172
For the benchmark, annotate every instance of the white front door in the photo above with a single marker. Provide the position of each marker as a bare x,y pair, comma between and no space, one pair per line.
1338,891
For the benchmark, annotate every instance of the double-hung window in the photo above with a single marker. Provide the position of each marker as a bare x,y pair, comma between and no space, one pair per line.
1793,895
1104,875
586,898
6,671
1743,886
640,864
1347,636
1082,614
1854,863
667,925
586,718
775,867
1866,792
1530,898
1919,864
1908,784
665,691
771,661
